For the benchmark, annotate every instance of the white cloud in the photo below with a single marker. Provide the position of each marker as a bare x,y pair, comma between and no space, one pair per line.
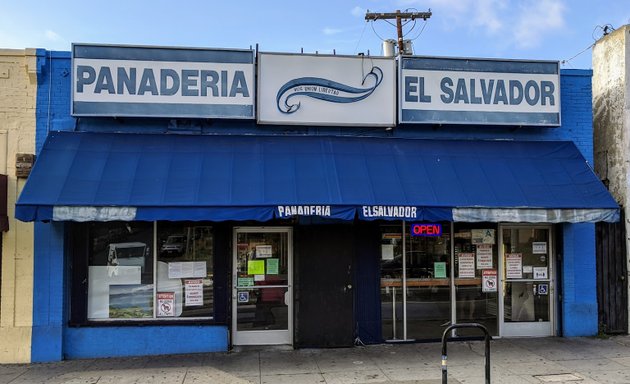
52,35
537,19
358,11
331,31
471,14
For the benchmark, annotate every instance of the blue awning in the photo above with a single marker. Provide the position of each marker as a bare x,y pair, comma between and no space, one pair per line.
111,176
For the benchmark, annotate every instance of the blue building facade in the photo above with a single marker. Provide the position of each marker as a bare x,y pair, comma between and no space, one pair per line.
564,252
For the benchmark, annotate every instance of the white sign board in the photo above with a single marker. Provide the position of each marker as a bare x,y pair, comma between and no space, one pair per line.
326,90
479,91
142,81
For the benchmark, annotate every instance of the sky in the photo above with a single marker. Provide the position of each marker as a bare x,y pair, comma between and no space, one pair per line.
561,30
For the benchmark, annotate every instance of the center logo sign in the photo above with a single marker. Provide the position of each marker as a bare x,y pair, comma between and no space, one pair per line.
326,90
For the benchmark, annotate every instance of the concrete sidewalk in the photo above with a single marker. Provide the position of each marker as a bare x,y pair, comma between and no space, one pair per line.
514,361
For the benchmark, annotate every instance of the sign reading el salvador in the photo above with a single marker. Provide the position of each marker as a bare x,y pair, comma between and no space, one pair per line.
162,82
326,90
479,91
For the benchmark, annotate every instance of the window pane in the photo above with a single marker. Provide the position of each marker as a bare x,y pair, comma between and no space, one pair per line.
262,276
120,275
428,263
184,270
476,264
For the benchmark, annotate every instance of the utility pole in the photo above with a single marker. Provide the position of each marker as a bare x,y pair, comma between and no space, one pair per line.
399,16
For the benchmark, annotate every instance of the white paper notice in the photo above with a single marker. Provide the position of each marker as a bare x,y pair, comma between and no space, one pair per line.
514,265
199,269
466,265
183,270
539,247
194,292
484,256
263,251
540,272
387,252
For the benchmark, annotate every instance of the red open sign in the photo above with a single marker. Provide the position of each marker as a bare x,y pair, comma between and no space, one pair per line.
431,229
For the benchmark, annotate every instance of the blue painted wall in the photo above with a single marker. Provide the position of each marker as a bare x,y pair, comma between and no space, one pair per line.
579,281
53,340
49,261
93,342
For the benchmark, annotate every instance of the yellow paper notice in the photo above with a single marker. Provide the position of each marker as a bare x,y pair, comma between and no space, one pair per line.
256,267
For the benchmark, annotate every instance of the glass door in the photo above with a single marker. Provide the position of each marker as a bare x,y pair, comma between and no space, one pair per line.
261,280
526,281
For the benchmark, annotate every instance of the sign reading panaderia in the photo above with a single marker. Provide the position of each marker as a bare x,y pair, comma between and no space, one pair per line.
162,82
479,91
326,90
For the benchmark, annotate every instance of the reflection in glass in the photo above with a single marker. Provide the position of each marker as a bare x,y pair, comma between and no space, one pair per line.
527,294
120,271
184,270
473,256
428,284
523,302
427,267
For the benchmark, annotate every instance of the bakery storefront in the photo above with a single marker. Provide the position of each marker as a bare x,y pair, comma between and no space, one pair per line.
337,200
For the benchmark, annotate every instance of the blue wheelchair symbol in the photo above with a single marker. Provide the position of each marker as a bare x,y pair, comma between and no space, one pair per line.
243,297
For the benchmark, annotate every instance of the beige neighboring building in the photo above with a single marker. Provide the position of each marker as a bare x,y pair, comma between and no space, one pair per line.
18,96
611,144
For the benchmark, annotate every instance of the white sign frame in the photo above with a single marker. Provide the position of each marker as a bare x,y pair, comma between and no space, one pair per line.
322,78
157,95
422,98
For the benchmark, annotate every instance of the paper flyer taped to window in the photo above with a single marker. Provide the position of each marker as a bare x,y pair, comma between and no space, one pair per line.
273,266
484,256
466,265
194,292
514,265
439,270
387,252
186,269
256,267
263,251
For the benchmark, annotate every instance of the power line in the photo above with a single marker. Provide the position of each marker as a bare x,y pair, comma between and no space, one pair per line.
399,17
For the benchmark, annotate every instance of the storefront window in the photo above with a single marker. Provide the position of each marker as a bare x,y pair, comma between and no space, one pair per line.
184,270
427,275
428,279
476,275
123,267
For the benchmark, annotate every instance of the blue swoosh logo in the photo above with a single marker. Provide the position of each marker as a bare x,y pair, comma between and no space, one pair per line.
324,89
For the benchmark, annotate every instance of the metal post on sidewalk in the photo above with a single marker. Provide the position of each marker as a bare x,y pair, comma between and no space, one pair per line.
445,339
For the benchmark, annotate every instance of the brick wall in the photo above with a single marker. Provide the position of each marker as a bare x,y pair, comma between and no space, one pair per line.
18,91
